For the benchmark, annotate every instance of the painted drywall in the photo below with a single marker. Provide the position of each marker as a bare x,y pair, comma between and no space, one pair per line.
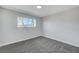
9,33
63,26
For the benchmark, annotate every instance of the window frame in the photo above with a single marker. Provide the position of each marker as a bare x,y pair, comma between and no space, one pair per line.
28,25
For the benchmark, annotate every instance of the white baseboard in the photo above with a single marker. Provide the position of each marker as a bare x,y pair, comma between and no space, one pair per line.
59,39
53,37
1,45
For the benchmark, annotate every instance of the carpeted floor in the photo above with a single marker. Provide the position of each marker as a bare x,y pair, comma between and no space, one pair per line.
39,45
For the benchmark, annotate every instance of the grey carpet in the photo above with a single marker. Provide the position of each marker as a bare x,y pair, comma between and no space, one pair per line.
39,45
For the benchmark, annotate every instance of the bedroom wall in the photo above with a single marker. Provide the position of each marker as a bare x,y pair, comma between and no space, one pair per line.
9,33
63,26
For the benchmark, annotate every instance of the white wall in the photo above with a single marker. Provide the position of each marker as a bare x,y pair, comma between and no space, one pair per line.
9,33
63,26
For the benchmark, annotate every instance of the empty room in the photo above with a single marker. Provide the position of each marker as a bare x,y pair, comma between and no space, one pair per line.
39,29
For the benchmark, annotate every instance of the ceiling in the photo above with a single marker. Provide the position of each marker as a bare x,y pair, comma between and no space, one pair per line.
46,10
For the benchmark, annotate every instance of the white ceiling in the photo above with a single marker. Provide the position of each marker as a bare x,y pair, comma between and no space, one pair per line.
44,11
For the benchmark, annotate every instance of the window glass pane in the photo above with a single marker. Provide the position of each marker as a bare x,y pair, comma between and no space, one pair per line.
19,21
27,21
30,21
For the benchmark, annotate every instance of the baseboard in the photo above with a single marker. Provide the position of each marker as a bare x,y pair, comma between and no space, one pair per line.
54,38
62,41
18,41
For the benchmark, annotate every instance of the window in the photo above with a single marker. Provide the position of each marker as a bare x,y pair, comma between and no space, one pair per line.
26,22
